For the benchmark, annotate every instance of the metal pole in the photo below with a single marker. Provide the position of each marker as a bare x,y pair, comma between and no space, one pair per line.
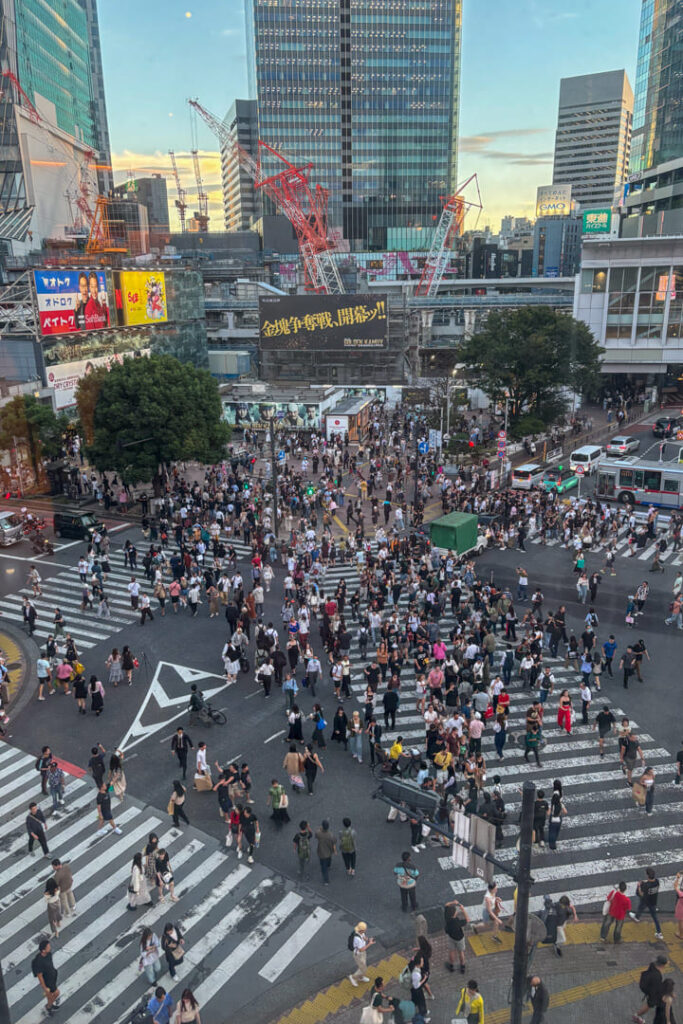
521,956
416,472
448,407
273,463
16,452
504,459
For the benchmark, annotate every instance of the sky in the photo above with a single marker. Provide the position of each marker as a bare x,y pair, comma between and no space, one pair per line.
157,53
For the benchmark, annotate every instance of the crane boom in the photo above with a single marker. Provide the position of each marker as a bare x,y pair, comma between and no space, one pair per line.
180,203
202,197
450,225
290,191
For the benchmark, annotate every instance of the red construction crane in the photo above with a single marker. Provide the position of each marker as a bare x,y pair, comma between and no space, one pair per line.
449,227
27,105
290,191
181,205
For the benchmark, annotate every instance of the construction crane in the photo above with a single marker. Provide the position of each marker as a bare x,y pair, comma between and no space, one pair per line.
290,191
449,227
181,205
202,216
26,105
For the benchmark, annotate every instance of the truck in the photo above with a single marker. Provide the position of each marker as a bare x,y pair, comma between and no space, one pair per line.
458,532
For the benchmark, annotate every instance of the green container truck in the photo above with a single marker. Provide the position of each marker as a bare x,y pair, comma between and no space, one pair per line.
458,532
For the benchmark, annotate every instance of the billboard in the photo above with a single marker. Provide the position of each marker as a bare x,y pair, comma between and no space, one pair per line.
71,300
597,222
64,377
333,322
553,200
257,415
143,297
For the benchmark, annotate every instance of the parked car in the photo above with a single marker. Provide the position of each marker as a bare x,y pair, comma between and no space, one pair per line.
622,445
559,479
10,528
665,426
79,525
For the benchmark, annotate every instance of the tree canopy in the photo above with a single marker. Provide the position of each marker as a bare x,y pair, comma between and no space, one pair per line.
147,412
35,425
530,355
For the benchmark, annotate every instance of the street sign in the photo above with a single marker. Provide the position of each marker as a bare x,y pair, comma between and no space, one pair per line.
501,453
423,447
281,456
435,439
502,434
579,470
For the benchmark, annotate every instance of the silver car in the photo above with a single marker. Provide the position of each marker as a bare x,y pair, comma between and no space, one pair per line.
623,444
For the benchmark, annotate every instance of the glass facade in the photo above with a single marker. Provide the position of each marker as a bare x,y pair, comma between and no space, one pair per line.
644,303
658,105
367,91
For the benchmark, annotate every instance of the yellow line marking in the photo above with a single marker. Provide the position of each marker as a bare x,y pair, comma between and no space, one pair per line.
577,935
339,523
13,653
343,994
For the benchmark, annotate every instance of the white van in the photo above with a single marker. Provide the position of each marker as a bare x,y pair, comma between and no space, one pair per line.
10,528
588,457
527,476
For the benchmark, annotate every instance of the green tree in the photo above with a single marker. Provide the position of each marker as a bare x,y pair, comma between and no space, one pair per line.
146,413
530,355
36,426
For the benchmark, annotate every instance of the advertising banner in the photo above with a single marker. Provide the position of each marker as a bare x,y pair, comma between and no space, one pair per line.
64,377
310,322
71,300
553,200
143,297
597,222
258,415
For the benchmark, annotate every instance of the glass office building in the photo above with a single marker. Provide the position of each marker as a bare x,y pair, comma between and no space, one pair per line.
368,92
658,105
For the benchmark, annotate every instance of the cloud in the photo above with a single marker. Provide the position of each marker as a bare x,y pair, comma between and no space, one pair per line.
230,32
481,146
145,164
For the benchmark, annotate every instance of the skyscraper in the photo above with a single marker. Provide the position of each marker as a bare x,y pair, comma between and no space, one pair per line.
658,108
53,52
593,138
368,92
241,204
153,195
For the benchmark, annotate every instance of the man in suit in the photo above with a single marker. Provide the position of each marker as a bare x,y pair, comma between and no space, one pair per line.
180,744
539,997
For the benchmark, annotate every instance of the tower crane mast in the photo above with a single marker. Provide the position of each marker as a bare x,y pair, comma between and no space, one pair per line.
180,202
202,198
449,227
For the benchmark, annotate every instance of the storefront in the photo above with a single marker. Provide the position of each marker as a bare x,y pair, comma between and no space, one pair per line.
352,416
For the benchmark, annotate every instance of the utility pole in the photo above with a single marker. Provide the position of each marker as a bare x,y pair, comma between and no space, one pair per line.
416,471
520,958
18,458
273,462
502,461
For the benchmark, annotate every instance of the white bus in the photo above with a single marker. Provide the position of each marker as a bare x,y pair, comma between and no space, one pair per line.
640,482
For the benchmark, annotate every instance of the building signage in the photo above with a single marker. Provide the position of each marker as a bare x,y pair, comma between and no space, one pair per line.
310,322
71,300
597,222
553,200
143,297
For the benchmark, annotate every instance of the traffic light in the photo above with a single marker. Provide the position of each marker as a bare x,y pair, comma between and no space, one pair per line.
471,444
310,490
246,485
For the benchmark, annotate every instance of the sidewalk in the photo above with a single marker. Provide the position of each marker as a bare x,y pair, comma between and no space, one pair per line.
20,660
591,982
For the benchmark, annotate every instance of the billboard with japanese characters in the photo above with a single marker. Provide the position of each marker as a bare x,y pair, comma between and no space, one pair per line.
309,322
71,300
143,297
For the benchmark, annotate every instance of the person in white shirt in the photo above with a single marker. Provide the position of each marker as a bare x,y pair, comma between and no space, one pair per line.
134,591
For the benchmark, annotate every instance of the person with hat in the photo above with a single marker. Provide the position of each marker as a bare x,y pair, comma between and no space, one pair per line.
361,944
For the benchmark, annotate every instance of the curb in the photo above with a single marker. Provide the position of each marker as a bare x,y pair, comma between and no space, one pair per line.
21,655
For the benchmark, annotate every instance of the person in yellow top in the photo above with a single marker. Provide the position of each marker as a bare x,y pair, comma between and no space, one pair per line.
396,749
442,761
471,1003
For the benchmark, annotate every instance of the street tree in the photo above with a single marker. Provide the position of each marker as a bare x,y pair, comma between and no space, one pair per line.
532,355
145,413
28,423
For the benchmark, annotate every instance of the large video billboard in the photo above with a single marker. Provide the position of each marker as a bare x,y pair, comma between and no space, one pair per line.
71,300
143,297
337,322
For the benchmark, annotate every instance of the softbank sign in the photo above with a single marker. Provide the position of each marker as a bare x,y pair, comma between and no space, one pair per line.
553,200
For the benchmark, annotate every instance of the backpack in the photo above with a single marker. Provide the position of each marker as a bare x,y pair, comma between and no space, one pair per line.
349,941
404,978
347,844
304,846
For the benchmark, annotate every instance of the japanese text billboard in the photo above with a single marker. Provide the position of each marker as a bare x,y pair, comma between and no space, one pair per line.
143,297
71,300
597,222
308,322
64,377
553,200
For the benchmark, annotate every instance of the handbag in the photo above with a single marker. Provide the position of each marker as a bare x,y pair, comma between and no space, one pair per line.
177,953
607,904
371,1016
167,877
170,807
284,801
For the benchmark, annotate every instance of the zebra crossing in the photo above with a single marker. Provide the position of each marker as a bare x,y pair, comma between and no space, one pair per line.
244,927
605,837
645,554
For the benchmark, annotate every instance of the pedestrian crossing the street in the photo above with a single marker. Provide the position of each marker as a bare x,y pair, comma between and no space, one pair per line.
644,554
605,836
244,927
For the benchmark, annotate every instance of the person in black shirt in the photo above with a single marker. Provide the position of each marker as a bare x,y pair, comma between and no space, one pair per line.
605,723
96,764
648,891
639,652
45,971
36,826
372,674
540,815
180,745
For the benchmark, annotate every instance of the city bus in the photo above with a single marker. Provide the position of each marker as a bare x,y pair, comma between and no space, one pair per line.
640,482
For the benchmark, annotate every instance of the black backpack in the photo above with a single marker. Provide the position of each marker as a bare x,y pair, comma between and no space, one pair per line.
349,941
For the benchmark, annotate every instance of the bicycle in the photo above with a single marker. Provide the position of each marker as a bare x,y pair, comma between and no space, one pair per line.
207,716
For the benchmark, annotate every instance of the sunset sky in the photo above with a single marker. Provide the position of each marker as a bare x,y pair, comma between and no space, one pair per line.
514,54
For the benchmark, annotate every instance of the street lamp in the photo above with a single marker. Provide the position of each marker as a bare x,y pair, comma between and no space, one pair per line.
449,385
268,414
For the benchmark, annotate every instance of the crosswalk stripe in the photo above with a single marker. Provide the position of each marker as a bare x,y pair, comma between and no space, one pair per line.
294,945
23,798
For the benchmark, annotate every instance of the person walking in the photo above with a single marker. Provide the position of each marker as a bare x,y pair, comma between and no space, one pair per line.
180,745
176,803
627,664
145,609
164,875
56,780
105,817
44,673
249,833
406,875
138,892
647,782
128,663
678,910
42,765
311,764
491,910
36,827
650,984
555,814
65,883
614,911
173,945
456,920
359,944
96,696
347,845
327,849
302,847
188,1009
564,712
150,955
539,997
471,1003
605,723
43,968
160,1006
630,752
648,892
113,663
54,910
664,1014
